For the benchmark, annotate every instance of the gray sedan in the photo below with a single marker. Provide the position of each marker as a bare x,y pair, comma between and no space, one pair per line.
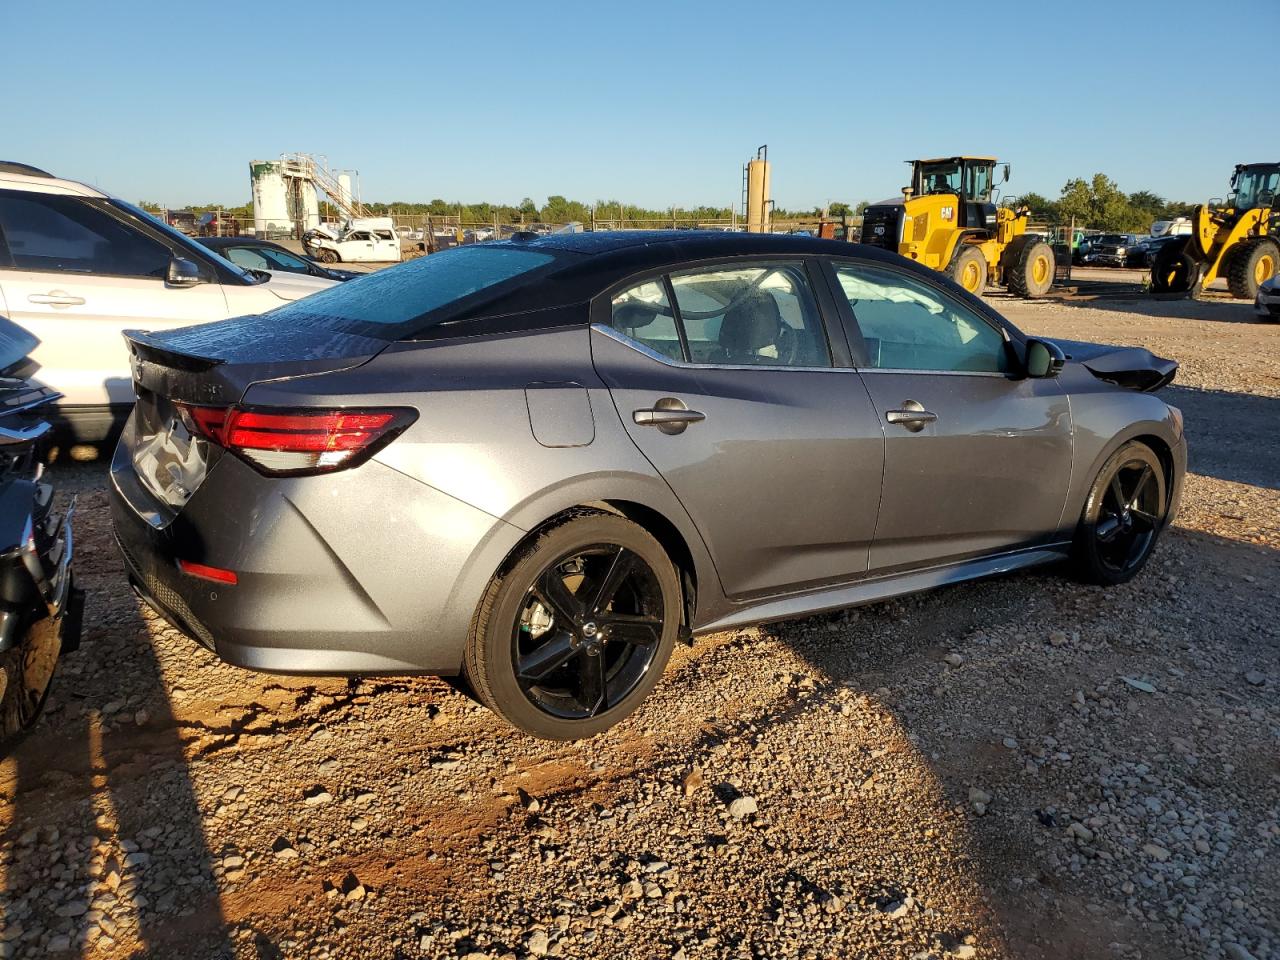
540,463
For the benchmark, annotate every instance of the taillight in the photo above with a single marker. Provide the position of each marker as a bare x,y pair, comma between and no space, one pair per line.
294,442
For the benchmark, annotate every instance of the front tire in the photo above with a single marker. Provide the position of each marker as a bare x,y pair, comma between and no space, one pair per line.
575,633
1029,267
1123,516
26,672
969,269
329,256
1175,270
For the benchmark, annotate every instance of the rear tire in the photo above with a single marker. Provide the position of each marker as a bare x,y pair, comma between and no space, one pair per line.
1029,267
573,634
969,269
1175,270
1252,263
26,673
1123,517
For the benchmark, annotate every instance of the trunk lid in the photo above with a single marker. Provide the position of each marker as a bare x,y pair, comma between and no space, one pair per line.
213,365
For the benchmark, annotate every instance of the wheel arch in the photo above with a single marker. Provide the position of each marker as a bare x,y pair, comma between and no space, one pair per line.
661,516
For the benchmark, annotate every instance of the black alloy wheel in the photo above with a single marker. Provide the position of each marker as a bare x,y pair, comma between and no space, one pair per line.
1123,516
575,634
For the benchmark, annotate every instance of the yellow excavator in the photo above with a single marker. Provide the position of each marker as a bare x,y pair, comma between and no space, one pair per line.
948,220
1231,239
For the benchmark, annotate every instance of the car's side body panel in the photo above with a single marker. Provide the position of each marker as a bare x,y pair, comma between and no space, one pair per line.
990,474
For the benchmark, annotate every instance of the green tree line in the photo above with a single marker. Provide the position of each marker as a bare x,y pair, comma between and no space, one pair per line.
1097,202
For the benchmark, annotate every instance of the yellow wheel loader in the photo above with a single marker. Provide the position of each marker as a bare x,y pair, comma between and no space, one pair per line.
948,220
1231,239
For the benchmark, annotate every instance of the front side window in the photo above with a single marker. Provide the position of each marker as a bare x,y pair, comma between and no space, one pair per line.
907,324
757,315
71,235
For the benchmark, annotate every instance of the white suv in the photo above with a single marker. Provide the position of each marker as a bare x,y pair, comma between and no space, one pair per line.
78,267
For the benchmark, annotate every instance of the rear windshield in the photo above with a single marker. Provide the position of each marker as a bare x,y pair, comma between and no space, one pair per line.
404,300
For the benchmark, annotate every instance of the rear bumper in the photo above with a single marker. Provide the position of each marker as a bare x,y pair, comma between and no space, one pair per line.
365,571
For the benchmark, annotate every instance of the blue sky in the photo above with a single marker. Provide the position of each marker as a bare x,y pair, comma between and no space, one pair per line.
657,103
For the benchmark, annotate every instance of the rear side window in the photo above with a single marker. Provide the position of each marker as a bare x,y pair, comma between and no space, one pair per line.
644,314
758,314
404,300
63,234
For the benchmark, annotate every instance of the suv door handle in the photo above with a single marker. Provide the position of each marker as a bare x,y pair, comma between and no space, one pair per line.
56,298
912,415
670,415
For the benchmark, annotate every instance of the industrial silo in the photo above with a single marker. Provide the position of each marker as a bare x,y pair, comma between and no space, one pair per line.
270,199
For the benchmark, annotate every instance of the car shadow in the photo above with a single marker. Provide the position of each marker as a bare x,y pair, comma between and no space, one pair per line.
102,827
1230,435
1008,714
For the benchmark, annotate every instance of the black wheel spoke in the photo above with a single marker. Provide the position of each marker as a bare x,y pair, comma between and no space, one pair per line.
556,596
620,568
592,689
1117,491
547,657
1143,517
1143,479
637,631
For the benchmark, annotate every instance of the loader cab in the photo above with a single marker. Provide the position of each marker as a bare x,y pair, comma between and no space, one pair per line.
1255,185
971,180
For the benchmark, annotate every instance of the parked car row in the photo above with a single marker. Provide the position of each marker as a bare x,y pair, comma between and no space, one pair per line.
1122,249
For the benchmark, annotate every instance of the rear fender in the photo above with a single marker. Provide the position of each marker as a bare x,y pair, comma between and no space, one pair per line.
652,493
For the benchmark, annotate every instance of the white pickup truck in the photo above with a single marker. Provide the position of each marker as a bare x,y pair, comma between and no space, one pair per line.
78,268
363,240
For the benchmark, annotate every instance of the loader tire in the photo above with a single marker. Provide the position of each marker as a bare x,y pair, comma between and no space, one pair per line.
1175,270
1029,267
969,269
1253,262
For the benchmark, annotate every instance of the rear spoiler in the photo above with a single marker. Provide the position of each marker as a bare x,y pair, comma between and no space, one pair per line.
146,348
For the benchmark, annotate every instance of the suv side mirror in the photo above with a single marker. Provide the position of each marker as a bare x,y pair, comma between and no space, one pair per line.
184,273
1044,359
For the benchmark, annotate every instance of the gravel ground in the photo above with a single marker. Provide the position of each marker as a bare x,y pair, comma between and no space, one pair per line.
1016,768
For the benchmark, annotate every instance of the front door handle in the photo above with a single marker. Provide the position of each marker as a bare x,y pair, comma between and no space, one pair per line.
911,415
56,298
670,415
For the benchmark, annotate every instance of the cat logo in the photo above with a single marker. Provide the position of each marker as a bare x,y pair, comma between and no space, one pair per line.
948,213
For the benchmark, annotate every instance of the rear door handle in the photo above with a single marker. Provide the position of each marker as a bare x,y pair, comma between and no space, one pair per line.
56,298
670,415
911,415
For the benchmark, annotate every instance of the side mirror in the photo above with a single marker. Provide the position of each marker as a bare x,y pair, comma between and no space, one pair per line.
1007,168
184,273
1044,359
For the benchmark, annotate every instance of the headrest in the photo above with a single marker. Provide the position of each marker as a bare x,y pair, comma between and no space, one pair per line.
750,324
634,314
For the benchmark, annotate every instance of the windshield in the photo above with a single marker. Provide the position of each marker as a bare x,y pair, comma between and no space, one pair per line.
182,239
1257,187
941,177
402,300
